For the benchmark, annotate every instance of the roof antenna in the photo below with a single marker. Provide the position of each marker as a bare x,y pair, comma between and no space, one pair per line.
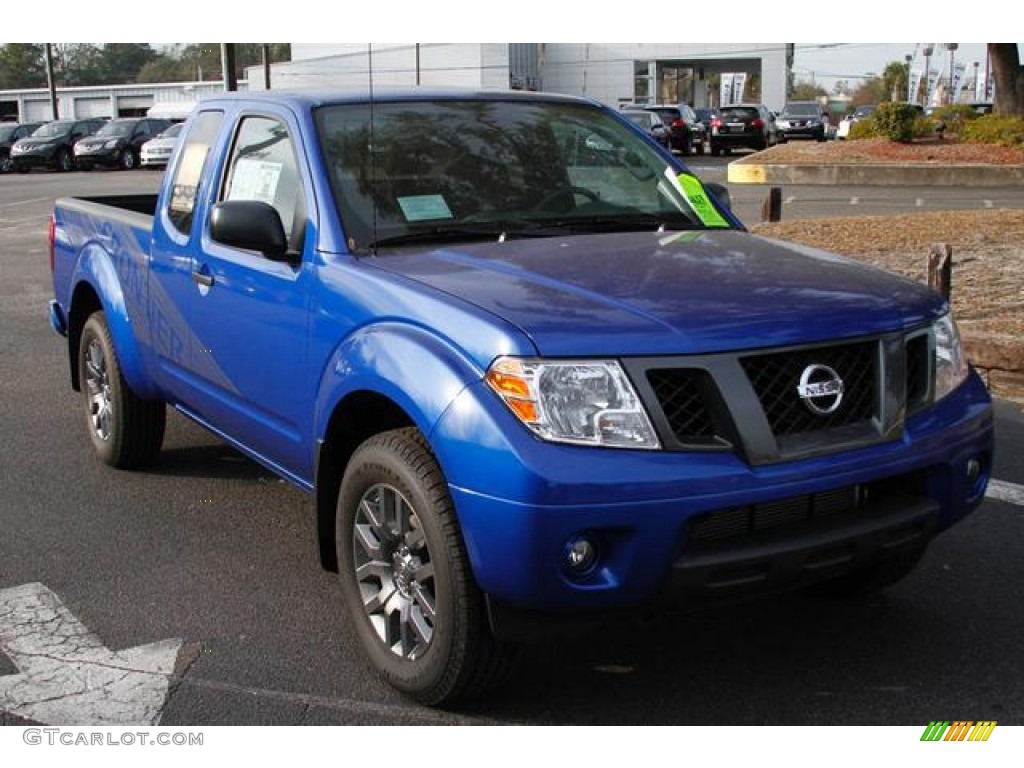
373,153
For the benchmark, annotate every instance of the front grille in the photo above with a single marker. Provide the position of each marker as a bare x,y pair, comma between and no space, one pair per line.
918,371
823,509
681,395
776,377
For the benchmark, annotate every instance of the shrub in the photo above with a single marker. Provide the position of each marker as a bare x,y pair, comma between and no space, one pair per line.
862,129
954,117
995,129
895,122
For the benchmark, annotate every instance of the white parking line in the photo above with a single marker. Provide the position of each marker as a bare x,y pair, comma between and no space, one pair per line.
25,202
919,202
1000,490
988,203
854,201
790,199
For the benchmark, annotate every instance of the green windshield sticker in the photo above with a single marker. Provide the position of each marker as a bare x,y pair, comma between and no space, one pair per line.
424,207
698,199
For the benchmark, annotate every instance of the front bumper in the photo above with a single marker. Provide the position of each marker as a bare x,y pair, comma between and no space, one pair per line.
97,157
42,159
643,509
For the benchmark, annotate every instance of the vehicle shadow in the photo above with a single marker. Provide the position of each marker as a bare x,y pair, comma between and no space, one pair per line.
220,462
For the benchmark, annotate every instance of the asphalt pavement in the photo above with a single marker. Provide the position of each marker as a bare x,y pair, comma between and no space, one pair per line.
209,551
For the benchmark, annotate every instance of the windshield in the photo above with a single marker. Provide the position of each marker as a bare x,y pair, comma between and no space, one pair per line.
172,132
643,119
117,128
50,130
802,110
449,170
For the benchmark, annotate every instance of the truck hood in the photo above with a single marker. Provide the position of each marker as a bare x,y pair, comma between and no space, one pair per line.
653,293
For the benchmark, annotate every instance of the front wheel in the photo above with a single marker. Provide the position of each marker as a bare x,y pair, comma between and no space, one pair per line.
405,576
125,430
65,162
6,164
127,159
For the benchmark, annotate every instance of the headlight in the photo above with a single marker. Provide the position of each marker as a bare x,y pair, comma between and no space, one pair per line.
950,365
110,144
585,402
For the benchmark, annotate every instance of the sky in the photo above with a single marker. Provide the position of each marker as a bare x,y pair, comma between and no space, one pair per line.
825,63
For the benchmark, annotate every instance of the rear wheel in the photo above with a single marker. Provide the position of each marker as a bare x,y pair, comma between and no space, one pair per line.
126,430
127,159
405,576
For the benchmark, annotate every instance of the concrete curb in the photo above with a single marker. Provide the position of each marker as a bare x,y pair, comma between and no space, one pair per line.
752,170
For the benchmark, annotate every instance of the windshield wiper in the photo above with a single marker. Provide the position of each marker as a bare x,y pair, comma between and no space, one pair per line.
626,222
498,231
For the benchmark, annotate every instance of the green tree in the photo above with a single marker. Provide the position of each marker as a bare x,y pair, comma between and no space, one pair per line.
22,65
122,62
806,91
165,69
895,79
870,91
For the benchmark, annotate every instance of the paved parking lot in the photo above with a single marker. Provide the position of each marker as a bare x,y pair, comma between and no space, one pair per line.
212,558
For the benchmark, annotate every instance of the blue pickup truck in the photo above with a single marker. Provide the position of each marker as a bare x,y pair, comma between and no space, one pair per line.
532,372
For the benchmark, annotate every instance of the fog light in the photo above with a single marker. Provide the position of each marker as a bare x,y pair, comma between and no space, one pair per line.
579,555
973,471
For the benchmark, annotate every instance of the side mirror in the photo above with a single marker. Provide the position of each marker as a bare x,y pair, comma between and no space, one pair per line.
250,224
721,194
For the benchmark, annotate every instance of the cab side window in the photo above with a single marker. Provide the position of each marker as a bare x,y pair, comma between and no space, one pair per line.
264,167
189,173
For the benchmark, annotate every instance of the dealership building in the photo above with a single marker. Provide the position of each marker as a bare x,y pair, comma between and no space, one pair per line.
614,73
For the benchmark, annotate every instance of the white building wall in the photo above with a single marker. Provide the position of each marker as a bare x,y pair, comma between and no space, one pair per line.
605,71
346,65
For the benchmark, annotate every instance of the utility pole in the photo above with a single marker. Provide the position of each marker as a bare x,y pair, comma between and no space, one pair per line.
265,53
227,63
417,63
951,47
48,51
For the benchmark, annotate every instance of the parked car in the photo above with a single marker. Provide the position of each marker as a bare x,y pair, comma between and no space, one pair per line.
737,126
860,113
651,123
157,151
10,133
689,134
52,145
802,120
118,143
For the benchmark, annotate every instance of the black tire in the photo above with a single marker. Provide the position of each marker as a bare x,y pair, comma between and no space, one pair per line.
126,160
6,164
868,580
64,161
126,431
687,149
419,616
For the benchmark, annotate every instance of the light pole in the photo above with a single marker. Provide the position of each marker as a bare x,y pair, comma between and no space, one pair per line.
927,73
976,96
908,58
951,47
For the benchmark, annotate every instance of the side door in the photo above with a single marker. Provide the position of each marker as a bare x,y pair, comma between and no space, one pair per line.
249,313
170,286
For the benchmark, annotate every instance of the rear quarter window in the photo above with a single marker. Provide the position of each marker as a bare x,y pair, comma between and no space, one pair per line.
188,174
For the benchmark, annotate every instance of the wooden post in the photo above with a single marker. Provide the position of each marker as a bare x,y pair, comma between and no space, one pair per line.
940,269
772,208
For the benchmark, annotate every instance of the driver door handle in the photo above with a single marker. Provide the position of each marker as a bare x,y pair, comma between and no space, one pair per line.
202,279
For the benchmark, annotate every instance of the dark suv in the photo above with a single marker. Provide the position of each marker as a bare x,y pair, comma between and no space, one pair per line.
10,133
742,125
118,143
688,132
802,120
51,145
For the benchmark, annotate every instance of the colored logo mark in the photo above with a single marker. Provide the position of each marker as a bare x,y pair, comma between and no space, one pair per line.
959,730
